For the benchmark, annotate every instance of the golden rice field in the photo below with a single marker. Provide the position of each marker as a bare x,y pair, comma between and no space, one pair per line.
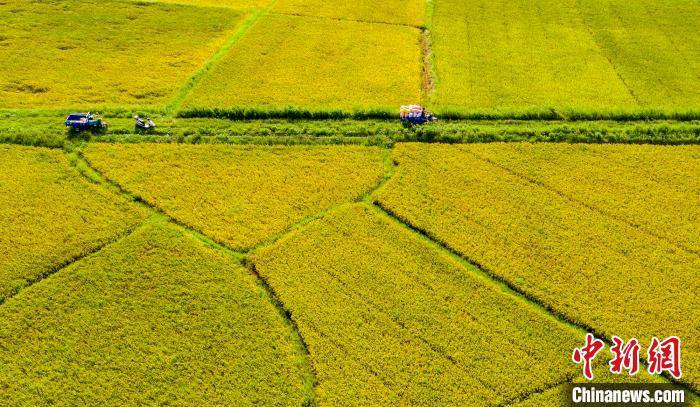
390,319
655,188
158,318
240,195
408,12
103,53
586,54
317,63
50,215
280,238
466,278
595,268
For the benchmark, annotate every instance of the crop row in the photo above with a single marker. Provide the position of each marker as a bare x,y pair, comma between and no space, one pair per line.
599,271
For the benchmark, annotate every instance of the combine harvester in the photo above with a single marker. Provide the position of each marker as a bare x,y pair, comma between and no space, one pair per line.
412,115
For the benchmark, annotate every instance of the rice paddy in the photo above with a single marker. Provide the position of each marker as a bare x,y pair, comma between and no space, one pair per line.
241,196
49,215
281,238
315,63
103,53
572,256
156,318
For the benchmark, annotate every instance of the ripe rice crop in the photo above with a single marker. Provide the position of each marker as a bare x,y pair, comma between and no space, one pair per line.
240,195
521,54
654,46
594,269
580,54
409,12
105,53
654,188
390,320
315,63
157,318
50,215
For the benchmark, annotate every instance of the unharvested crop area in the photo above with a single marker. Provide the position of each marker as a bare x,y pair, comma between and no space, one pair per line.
157,318
595,268
50,215
241,196
281,238
58,54
392,320
316,63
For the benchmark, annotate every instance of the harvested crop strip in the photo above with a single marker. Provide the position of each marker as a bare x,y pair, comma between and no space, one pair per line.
391,320
656,188
315,63
403,12
49,215
157,318
107,53
240,195
594,269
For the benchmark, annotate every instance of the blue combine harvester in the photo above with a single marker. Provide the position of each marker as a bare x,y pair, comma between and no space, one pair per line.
415,114
84,121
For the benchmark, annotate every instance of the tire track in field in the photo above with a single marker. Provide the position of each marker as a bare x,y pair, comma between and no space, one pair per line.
574,200
83,166
197,77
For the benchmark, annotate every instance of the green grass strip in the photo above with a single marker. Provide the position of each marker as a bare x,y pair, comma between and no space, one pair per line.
194,80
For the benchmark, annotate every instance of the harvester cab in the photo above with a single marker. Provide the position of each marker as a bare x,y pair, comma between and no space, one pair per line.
411,115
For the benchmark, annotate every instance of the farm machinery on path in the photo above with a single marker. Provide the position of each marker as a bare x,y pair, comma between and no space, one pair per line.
84,121
412,115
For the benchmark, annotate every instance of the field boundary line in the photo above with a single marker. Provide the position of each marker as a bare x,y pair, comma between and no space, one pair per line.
508,286
350,20
297,337
642,229
95,176
76,259
176,103
92,174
